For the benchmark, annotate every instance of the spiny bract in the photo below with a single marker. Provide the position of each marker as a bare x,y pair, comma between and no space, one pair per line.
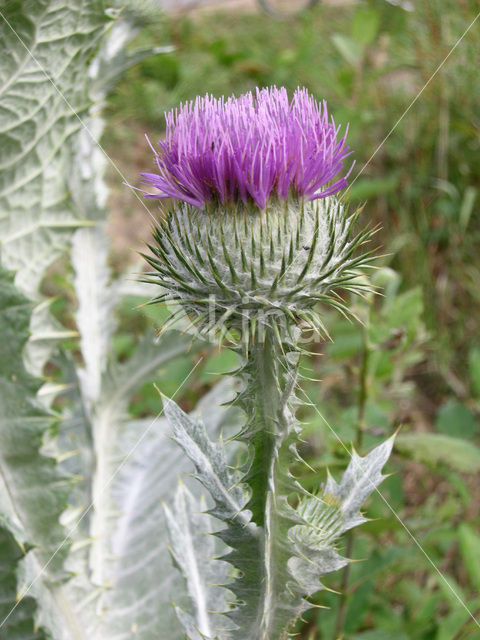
246,269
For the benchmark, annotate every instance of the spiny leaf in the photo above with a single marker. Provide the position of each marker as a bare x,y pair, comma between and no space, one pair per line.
194,548
27,506
139,561
210,463
33,492
332,512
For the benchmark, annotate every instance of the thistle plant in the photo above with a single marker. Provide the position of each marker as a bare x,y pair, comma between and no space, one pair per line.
255,244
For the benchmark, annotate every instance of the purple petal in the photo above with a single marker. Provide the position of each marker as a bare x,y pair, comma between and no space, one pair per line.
250,148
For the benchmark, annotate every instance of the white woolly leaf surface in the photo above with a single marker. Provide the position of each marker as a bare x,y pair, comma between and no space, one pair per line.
143,582
332,512
44,93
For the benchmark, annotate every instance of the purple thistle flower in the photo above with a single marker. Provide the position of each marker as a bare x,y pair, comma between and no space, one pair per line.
249,148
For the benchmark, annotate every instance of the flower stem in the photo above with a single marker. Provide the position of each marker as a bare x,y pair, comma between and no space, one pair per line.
270,430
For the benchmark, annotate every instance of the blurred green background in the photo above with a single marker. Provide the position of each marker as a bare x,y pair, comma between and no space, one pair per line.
415,364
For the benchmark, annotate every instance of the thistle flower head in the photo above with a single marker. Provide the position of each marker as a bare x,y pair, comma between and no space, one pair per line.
258,237
249,149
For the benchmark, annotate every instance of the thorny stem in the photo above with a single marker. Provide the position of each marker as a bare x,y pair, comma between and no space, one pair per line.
269,390
263,403
359,428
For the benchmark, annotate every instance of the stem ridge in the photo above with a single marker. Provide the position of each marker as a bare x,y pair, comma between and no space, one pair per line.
270,433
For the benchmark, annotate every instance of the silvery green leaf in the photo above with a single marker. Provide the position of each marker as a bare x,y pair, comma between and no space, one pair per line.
195,550
138,553
119,543
95,294
215,471
135,558
210,460
33,491
46,49
332,512
25,505
107,387
360,479
61,615
119,383
52,185
44,109
52,167
98,532
144,468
